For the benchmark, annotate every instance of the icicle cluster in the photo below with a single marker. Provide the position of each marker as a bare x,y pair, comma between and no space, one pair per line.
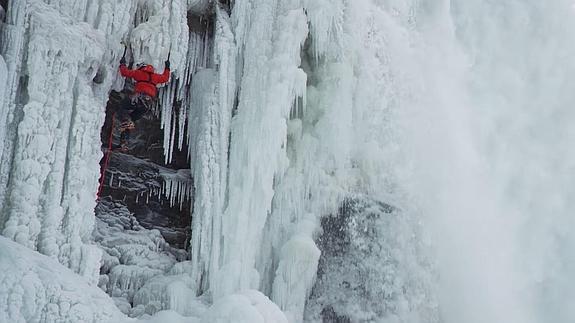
190,50
297,133
234,202
178,187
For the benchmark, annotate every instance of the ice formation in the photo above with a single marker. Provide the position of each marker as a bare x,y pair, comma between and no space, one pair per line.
245,307
50,157
177,187
36,288
455,112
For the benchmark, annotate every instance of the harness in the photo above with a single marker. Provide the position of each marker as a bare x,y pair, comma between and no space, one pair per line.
143,100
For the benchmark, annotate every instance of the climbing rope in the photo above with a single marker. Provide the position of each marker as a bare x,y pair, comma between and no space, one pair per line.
106,157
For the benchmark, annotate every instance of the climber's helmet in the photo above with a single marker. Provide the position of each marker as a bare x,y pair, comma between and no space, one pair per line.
146,68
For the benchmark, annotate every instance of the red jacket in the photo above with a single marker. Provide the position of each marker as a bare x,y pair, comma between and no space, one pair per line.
146,79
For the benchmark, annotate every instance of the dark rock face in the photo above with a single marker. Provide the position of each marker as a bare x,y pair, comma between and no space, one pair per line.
328,314
2,11
370,268
137,178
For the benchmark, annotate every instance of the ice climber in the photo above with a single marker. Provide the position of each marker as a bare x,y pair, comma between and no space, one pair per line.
142,99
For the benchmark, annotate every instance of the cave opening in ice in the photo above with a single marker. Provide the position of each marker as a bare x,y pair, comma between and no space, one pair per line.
158,194
154,179
3,7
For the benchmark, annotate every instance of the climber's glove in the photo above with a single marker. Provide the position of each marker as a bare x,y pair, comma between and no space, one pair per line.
167,64
123,61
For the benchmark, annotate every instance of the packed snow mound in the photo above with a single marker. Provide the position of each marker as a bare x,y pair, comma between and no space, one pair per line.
168,293
36,288
133,257
249,306
296,275
169,316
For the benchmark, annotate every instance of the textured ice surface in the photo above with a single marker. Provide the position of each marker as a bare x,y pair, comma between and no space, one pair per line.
133,256
36,288
49,198
372,266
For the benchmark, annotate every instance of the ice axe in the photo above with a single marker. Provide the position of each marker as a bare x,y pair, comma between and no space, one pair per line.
125,51
123,59
167,64
170,51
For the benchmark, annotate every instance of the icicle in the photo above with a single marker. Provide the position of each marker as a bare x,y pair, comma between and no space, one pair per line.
172,140
182,125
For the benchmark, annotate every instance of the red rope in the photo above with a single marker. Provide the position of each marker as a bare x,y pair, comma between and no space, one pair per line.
107,157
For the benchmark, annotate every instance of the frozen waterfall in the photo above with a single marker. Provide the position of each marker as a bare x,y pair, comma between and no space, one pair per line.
347,161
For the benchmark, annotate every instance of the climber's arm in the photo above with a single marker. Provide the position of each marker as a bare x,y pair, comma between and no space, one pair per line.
164,77
126,72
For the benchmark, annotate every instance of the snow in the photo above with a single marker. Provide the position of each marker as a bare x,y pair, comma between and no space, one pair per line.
169,316
295,275
38,289
169,293
249,306
133,256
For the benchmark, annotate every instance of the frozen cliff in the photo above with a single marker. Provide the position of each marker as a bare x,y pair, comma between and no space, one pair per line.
309,161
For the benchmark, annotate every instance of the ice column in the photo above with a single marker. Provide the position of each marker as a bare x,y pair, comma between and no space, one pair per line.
12,49
213,95
269,39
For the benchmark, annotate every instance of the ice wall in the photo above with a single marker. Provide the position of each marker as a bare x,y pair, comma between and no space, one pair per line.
53,116
265,100
400,104
62,60
299,120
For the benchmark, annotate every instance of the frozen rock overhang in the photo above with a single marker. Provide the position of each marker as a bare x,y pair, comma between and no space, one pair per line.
199,6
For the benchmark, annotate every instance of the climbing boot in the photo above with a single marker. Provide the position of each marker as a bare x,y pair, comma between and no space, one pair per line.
127,125
123,146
